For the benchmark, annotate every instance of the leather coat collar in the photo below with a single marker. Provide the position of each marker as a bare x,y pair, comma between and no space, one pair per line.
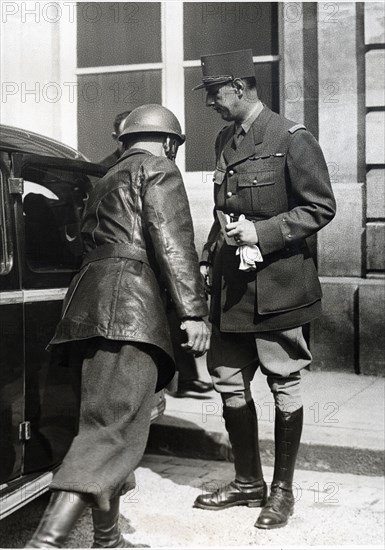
130,153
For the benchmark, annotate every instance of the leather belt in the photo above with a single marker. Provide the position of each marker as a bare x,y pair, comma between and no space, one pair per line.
115,250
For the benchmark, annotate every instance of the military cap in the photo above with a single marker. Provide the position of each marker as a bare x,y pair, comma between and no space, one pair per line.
220,68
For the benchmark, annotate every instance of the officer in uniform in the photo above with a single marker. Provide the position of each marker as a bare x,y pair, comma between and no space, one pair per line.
138,239
272,182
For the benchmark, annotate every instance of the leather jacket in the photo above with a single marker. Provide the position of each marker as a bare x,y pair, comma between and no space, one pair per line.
138,238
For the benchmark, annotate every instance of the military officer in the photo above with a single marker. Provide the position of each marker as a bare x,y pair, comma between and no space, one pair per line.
272,183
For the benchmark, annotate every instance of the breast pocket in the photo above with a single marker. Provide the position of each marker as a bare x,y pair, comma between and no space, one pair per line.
257,184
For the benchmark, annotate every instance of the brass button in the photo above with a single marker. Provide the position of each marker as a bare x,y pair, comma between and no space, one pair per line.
229,194
231,172
289,236
254,181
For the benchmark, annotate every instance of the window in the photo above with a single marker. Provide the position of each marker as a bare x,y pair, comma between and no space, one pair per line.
52,208
119,67
211,27
118,33
102,96
132,53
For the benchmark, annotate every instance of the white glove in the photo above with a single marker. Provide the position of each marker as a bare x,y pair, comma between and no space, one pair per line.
248,254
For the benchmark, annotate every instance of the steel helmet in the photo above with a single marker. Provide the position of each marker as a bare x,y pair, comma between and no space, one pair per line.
152,118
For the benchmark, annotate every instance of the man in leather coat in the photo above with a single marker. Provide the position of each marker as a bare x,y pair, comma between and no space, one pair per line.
272,183
187,381
138,240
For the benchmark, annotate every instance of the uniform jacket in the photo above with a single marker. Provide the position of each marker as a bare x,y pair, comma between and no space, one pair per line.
138,238
277,178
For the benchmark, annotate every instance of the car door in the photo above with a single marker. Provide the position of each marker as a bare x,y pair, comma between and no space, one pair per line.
47,222
11,336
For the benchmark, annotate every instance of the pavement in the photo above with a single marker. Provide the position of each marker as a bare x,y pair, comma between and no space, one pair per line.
338,484
344,428
332,510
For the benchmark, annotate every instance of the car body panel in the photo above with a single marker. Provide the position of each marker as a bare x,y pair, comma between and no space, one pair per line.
17,139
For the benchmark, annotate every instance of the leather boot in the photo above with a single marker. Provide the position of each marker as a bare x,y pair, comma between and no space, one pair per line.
280,504
248,489
60,516
106,528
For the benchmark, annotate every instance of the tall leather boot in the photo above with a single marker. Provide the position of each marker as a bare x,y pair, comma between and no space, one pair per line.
107,533
249,487
60,516
280,504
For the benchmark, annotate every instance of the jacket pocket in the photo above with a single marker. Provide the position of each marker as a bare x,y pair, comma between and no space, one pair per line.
257,186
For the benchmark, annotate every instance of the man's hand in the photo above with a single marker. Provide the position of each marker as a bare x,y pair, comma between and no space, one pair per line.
243,231
205,272
198,336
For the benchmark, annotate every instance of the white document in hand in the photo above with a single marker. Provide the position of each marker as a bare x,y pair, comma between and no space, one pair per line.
224,219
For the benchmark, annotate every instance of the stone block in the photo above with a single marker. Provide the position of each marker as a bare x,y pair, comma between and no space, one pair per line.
375,78
375,137
375,246
375,193
293,61
374,22
340,242
371,300
338,79
199,188
333,339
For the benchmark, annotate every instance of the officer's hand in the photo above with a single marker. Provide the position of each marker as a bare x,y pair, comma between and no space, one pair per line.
198,336
243,231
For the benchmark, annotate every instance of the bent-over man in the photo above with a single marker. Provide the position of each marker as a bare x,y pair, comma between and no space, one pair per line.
138,239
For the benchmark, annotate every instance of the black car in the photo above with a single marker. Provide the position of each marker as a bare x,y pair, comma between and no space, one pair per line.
43,184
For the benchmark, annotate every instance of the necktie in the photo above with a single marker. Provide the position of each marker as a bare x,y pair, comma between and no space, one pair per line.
237,137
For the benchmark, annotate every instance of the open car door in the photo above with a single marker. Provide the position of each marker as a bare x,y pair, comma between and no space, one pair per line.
41,204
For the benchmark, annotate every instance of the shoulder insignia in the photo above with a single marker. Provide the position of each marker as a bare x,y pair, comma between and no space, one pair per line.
296,127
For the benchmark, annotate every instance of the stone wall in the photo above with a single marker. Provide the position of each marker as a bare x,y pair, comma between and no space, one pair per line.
351,126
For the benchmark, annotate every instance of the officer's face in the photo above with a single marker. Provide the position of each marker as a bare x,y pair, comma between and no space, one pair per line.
223,99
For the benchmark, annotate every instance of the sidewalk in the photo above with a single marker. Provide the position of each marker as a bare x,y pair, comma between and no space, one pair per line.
343,431
332,510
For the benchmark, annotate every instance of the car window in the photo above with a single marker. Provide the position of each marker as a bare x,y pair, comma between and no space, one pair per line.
53,201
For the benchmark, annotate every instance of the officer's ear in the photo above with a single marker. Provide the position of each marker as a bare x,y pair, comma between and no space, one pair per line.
239,86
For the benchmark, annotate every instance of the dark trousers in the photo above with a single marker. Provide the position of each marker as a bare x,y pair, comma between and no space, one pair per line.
117,389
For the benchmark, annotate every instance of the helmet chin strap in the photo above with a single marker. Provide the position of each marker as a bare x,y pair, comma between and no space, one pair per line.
170,146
